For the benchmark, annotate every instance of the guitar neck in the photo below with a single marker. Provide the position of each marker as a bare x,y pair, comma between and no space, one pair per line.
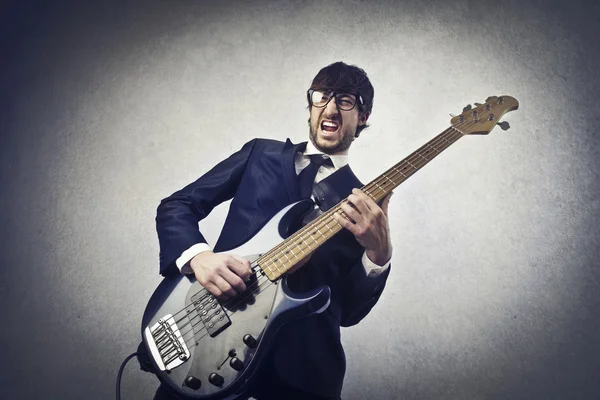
301,244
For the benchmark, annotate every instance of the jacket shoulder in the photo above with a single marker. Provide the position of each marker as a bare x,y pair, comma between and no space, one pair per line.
268,144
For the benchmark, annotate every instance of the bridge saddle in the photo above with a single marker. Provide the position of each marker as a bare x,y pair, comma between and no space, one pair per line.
166,344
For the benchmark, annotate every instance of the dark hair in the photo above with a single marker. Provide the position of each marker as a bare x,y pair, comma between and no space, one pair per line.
341,77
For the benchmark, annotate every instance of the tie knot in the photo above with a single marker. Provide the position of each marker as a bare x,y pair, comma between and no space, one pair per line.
319,159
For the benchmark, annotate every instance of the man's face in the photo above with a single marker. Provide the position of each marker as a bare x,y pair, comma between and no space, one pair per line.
333,130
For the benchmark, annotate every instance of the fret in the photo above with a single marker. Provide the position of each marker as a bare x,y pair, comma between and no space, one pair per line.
287,246
382,189
320,233
269,271
336,227
431,146
307,245
274,263
277,261
385,185
300,248
333,211
277,269
285,255
282,266
269,267
426,159
389,179
400,172
326,235
328,227
312,237
369,194
306,231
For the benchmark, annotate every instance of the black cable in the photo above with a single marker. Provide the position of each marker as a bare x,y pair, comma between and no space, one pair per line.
129,357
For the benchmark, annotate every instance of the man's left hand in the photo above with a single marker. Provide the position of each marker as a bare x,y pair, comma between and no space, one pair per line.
369,224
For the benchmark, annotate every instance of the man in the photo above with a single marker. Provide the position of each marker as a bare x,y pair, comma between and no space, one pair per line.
307,360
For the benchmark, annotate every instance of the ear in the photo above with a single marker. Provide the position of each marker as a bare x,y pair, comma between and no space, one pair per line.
362,118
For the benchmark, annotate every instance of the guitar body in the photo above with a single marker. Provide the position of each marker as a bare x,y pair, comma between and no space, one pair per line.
185,349
204,349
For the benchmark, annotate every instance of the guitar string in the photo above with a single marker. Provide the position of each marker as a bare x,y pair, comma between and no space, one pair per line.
258,289
394,174
416,161
303,232
311,225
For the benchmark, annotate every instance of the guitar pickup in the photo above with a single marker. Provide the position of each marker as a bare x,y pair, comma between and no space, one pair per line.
212,314
166,344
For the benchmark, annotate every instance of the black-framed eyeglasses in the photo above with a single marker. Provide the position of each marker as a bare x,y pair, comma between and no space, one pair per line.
344,101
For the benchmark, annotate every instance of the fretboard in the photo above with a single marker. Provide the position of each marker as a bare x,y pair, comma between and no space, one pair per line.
302,243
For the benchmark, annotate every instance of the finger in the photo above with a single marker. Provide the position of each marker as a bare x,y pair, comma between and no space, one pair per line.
234,280
225,287
360,200
351,213
386,202
344,222
213,289
241,267
367,199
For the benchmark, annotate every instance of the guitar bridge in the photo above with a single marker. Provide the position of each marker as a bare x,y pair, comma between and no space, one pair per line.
166,344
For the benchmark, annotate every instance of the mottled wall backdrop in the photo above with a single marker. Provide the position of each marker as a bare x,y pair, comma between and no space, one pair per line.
105,109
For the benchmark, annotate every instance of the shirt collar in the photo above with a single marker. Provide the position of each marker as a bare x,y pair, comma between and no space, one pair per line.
339,159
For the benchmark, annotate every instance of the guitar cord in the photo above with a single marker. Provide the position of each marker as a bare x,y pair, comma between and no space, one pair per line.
129,357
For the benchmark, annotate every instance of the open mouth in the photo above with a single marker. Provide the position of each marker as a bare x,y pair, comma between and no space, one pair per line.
329,126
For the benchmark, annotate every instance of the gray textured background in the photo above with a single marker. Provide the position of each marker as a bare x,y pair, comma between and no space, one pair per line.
106,109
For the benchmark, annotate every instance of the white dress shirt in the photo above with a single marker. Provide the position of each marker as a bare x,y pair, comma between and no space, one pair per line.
302,161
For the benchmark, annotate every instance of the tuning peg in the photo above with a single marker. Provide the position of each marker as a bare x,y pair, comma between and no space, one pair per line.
504,125
452,115
477,104
467,108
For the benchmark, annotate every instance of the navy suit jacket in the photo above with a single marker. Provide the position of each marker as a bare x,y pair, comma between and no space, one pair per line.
261,179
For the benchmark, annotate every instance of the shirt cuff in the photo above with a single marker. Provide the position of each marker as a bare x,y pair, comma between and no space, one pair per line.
183,262
371,269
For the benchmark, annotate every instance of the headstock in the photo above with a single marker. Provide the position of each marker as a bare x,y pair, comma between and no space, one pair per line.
482,119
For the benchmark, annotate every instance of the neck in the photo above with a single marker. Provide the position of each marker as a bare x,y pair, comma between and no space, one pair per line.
295,249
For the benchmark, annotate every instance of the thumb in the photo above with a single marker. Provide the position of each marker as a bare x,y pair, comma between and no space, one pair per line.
386,202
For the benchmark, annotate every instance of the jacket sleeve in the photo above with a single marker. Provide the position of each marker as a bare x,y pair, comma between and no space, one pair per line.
360,293
177,216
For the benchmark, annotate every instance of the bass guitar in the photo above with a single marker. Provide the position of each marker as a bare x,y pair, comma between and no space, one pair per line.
203,348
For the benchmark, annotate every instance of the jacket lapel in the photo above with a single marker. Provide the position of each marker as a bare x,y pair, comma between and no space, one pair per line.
288,162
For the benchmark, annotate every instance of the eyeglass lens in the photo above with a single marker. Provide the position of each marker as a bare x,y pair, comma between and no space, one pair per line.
345,101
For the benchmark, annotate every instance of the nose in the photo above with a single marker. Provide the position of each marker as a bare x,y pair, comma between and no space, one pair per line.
331,108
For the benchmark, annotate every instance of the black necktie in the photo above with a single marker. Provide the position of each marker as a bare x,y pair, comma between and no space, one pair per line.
308,174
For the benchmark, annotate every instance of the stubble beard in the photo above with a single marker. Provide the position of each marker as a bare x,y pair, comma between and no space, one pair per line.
341,145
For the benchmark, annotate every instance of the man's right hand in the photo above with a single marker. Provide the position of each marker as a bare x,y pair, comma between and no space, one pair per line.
223,275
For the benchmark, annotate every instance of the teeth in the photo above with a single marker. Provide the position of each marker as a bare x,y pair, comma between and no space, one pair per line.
330,124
